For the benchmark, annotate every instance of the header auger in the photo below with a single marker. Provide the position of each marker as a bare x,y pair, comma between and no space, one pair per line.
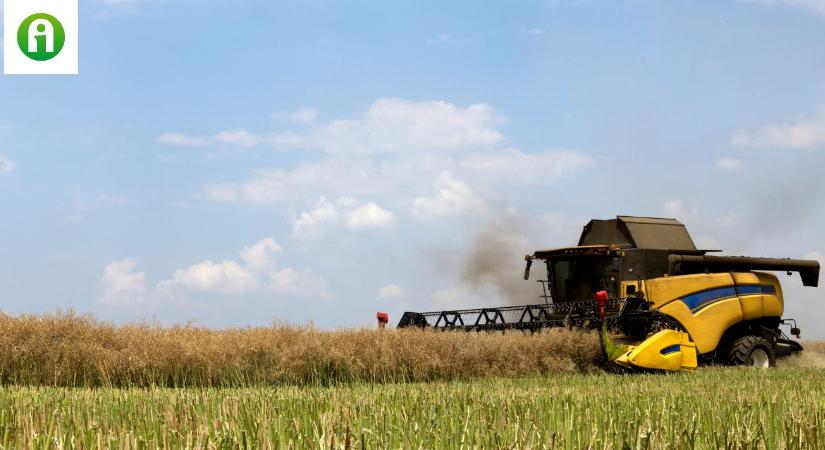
659,302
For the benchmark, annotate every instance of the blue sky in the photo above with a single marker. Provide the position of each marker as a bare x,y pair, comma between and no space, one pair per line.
237,163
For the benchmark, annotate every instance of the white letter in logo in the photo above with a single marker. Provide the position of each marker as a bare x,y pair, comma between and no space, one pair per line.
41,27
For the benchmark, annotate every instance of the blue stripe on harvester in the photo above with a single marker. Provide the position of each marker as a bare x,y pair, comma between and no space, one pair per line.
672,349
756,289
749,290
699,299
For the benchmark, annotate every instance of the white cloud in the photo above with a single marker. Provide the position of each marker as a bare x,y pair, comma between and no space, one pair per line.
255,273
817,6
395,125
333,177
6,165
389,291
514,166
121,283
370,215
803,133
390,125
182,139
676,209
241,138
391,155
304,116
227,277
729,165
260,256
311,224
451,198
346,211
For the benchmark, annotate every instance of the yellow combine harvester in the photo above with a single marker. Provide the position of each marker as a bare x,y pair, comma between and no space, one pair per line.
661,303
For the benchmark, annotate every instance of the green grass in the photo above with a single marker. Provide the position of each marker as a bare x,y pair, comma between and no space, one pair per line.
712,408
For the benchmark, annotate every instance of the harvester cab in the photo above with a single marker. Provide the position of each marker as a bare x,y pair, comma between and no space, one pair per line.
659,302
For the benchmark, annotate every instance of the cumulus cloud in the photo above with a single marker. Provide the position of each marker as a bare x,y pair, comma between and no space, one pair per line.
803,133
241,138
514,166
122,283
396,125
451,197
182,139
430,160
370,216
311,224
305,181
255,272
729,165
227,277
349,212
6,165
390,125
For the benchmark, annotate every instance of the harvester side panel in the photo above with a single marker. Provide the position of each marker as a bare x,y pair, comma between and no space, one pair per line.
707,305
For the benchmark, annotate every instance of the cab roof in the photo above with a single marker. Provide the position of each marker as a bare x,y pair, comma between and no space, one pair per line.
638,232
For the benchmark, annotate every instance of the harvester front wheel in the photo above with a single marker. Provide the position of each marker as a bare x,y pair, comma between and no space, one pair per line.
754,351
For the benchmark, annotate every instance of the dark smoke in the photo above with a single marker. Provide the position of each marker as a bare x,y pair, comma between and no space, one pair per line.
496,260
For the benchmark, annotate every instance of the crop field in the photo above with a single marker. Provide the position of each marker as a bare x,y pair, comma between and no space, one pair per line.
712,408
74,382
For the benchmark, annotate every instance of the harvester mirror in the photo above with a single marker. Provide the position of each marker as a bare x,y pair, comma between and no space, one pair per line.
796,332
529,260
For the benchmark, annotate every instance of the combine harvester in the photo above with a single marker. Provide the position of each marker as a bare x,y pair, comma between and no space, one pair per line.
671,305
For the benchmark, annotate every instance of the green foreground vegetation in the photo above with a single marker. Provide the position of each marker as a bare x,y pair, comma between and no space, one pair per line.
712,408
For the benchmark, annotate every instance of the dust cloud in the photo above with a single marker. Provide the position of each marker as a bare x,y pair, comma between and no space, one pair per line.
813,356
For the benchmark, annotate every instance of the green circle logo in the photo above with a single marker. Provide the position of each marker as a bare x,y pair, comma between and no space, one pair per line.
41,37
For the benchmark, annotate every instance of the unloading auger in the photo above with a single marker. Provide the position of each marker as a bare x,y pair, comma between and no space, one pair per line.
658,301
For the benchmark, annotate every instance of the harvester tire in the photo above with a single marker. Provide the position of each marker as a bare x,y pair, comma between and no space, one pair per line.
750,350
